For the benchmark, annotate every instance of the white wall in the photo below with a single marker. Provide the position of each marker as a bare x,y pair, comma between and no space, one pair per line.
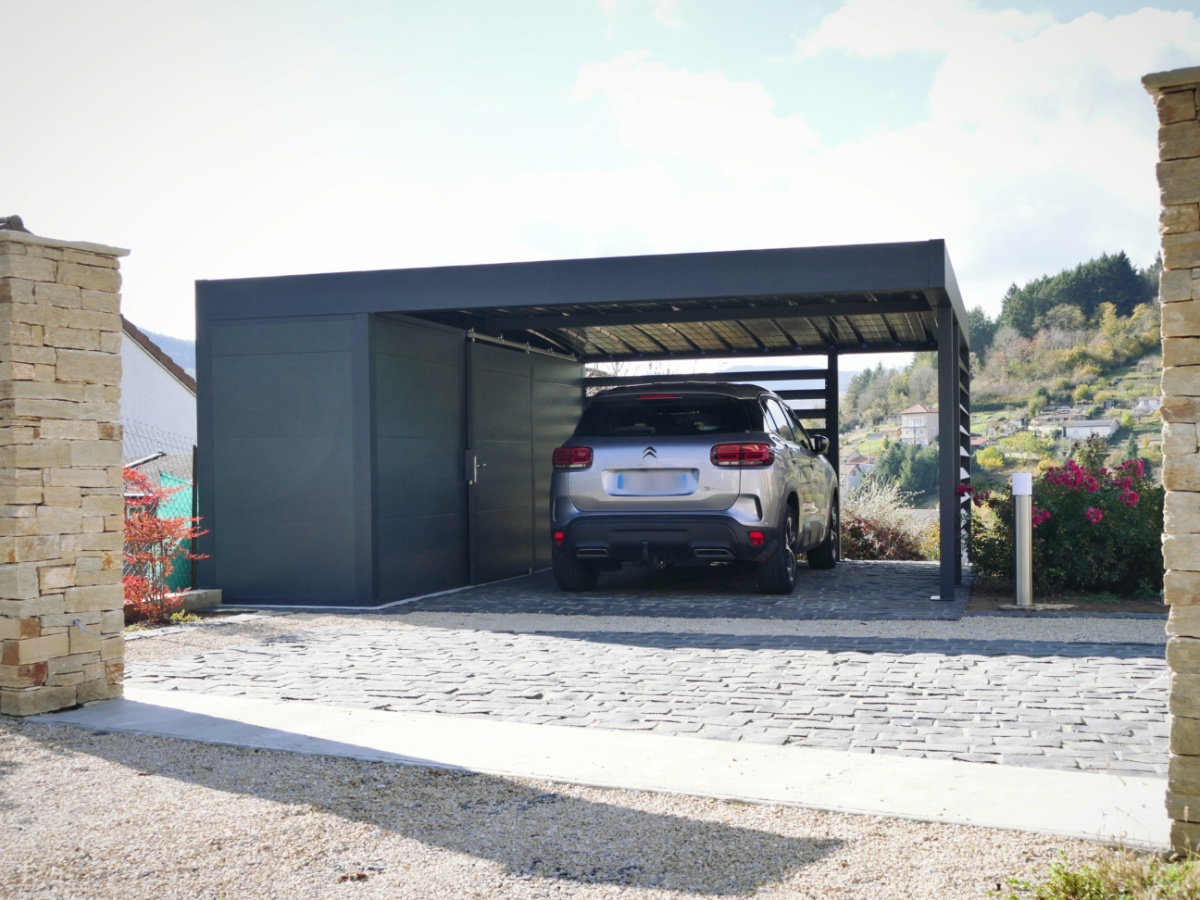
152,395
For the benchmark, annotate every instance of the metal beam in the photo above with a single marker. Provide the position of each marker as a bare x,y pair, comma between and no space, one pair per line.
752,375
805,310
815,350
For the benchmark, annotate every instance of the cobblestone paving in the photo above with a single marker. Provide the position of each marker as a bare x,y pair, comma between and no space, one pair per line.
1096,707
859,590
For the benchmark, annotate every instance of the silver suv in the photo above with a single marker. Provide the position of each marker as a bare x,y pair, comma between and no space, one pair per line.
692,473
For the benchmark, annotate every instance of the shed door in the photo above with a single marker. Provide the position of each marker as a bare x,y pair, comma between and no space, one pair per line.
520,407
499,461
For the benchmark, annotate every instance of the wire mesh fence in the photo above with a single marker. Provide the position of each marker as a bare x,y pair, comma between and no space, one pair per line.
169,461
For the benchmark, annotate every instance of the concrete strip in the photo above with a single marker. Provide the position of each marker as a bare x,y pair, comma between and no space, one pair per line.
1102,807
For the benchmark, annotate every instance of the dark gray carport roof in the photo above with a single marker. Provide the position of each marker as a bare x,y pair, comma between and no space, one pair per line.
809,300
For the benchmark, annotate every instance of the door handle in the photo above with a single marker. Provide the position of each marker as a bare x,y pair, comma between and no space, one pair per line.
473,467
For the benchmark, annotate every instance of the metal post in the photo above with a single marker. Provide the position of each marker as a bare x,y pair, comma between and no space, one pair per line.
949,463
1022,488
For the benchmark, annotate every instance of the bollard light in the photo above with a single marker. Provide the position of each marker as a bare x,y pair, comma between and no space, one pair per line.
1022,488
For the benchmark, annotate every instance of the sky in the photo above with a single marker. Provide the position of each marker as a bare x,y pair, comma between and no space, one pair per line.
224,139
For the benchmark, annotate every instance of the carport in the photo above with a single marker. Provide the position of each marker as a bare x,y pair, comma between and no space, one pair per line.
370,436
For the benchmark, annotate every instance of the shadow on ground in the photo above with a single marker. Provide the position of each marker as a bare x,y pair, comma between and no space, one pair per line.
530,831
852,590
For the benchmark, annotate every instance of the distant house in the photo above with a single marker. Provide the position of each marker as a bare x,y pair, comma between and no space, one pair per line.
978,442
1049,424
156,393
1082,429
918,425
852,475
1147,405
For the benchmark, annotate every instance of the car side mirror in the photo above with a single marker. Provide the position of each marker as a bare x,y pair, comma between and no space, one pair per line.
820,443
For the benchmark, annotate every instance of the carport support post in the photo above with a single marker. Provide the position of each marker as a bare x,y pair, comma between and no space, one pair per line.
832,395
1177,96
948,455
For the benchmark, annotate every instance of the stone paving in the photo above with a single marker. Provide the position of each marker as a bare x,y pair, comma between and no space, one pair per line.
857,590
1095,707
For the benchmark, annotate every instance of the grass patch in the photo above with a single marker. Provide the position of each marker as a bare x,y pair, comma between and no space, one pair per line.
1117,875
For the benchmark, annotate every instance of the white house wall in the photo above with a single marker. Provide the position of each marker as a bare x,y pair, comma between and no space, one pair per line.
150,394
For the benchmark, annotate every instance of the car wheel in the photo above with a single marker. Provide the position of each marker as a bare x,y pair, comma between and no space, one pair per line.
827,554
574,575
777,573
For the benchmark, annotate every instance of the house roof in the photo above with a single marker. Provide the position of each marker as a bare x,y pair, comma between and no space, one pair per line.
159,354
918,408
1092,423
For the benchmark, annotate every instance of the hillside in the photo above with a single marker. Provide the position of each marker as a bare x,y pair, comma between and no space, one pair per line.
1080,346
179,349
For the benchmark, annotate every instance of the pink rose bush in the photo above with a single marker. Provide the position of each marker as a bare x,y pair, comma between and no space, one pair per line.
1094,528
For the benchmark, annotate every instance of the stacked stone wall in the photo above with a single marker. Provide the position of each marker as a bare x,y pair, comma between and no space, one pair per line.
61,503
1177,97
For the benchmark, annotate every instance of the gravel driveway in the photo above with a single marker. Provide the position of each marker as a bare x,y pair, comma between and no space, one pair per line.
111,815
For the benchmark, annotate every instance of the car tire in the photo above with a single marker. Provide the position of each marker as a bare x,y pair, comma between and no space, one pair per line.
826,554
777,573
574,575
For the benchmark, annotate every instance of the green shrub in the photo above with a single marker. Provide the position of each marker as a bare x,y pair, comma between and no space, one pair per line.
1094,528
1119,875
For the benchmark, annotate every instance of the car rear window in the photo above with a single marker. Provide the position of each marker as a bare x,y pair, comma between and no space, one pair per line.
670,416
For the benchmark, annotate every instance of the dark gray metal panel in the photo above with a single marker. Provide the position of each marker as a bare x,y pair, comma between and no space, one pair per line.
419,477
557,404
362,392
422,399
847,269
280,471
286,562
297,335
283,533
427,554
500,438
420,494
281,395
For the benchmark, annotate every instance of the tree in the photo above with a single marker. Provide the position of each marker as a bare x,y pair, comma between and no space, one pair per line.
981,330
1111,278
990,459
913,468
154,544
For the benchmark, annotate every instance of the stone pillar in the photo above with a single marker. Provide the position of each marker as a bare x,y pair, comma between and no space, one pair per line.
1176,94
61,515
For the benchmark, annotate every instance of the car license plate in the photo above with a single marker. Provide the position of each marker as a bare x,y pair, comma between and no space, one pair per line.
653,482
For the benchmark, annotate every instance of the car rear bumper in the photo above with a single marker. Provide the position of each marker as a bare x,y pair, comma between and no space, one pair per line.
671,539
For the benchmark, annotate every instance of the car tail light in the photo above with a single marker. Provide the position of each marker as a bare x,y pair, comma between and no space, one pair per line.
658,396
742,455
558,539
757,539
573,458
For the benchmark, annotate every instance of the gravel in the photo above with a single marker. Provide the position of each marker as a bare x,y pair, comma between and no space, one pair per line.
111,815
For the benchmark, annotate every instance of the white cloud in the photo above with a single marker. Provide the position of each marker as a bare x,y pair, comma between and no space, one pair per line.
881,28
665,12
700,116
1038,150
